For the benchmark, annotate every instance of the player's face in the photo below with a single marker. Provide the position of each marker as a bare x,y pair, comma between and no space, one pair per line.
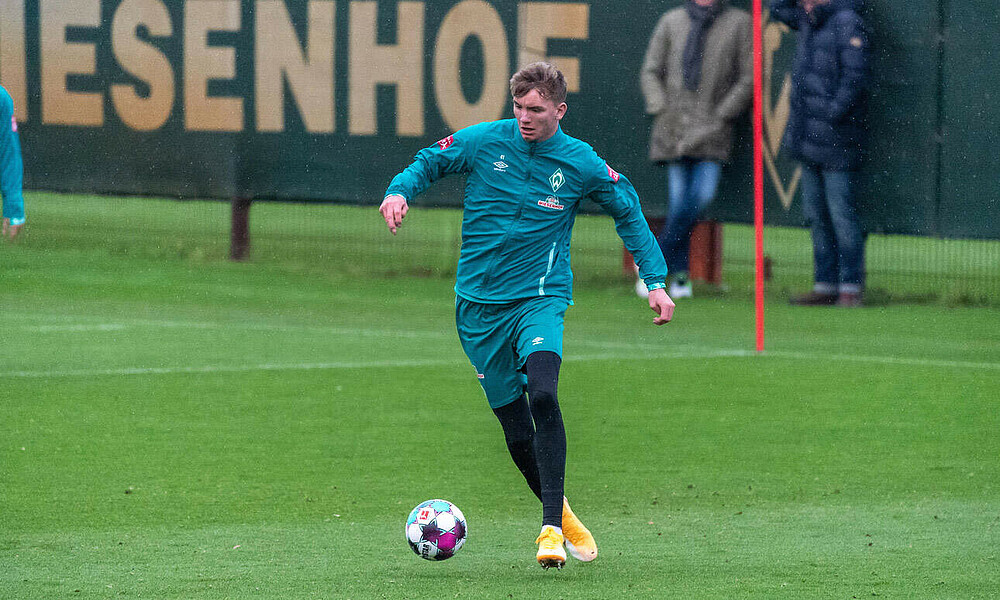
537,117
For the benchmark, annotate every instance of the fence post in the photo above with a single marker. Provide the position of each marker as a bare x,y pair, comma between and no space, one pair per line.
239,240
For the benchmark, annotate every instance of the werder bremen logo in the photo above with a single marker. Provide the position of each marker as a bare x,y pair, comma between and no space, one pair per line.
776,114
557,180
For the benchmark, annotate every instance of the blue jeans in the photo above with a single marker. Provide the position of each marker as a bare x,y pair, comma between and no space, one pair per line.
830,209
691,187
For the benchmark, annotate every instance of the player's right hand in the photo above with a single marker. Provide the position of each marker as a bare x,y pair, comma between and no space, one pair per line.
393,210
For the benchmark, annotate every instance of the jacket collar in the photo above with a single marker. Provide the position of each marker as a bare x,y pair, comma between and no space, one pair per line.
522,144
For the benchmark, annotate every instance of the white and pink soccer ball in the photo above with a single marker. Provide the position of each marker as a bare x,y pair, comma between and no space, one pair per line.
436,529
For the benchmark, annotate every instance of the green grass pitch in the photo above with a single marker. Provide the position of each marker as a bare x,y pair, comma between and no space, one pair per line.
173,425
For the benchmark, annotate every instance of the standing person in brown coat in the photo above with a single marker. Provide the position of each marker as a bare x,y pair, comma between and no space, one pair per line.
697,79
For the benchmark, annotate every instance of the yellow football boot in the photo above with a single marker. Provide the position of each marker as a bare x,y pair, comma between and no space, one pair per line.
550,548
579,540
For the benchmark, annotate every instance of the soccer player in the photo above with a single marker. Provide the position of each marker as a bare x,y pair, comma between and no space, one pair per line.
526,181
11,168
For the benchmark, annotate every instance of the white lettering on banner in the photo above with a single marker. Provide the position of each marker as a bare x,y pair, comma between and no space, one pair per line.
145,62
60,59
400,64
539,22
13,58
293,60
204,63
279,58
472,18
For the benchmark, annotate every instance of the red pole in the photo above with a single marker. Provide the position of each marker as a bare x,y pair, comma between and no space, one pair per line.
758,167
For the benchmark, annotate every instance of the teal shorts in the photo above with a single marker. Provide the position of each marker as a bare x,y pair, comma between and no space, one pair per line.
498,338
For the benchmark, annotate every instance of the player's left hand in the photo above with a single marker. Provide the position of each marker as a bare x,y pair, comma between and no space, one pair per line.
10,231
393,209
662,305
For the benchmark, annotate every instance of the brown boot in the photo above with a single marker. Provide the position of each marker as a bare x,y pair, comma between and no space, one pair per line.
814,299
849,299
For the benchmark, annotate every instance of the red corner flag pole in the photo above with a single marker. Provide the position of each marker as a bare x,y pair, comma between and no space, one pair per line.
758,166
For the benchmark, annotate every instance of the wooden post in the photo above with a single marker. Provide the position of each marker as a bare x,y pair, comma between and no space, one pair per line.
705,257
239,240
705,253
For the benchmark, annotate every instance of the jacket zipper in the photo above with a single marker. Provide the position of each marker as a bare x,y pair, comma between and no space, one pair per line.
517,217
548,269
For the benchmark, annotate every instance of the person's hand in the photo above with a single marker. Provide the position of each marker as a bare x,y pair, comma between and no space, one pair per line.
393,210
662,305
10,231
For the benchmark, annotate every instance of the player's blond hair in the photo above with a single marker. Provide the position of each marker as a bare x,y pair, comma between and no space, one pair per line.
541,76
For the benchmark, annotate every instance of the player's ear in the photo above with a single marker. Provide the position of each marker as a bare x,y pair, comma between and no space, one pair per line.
561,110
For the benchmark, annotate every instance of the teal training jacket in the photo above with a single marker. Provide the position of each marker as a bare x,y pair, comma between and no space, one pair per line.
11,167
521,201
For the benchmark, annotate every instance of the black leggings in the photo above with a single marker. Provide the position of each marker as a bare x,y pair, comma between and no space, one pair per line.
535,436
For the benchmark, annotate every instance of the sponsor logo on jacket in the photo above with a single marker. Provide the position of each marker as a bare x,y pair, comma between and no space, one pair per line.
612,173
557,180
551,202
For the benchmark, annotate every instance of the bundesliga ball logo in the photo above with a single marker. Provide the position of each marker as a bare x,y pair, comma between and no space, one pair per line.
436,529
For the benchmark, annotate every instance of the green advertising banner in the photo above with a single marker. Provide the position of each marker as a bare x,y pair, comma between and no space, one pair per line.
326,100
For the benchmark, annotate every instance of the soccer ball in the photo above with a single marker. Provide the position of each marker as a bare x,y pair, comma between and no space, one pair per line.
436,529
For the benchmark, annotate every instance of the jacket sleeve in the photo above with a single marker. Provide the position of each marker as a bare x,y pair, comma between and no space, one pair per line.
787,12
654,69
11,166
453,154
615,194
852,54
738,97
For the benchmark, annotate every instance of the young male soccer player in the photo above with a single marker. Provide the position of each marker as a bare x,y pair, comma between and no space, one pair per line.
11,168
526,180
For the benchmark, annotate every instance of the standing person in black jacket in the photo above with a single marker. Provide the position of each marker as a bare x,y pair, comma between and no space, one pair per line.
826,133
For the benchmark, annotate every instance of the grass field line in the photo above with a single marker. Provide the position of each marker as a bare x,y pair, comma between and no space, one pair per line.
335,365
67,325
888,360
90,323
227,368
686,354
118,325
71,327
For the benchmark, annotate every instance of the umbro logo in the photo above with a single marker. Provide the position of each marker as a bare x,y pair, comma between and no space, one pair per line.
500,165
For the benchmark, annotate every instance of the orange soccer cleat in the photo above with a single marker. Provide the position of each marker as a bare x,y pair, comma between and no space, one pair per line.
579,541
550,548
